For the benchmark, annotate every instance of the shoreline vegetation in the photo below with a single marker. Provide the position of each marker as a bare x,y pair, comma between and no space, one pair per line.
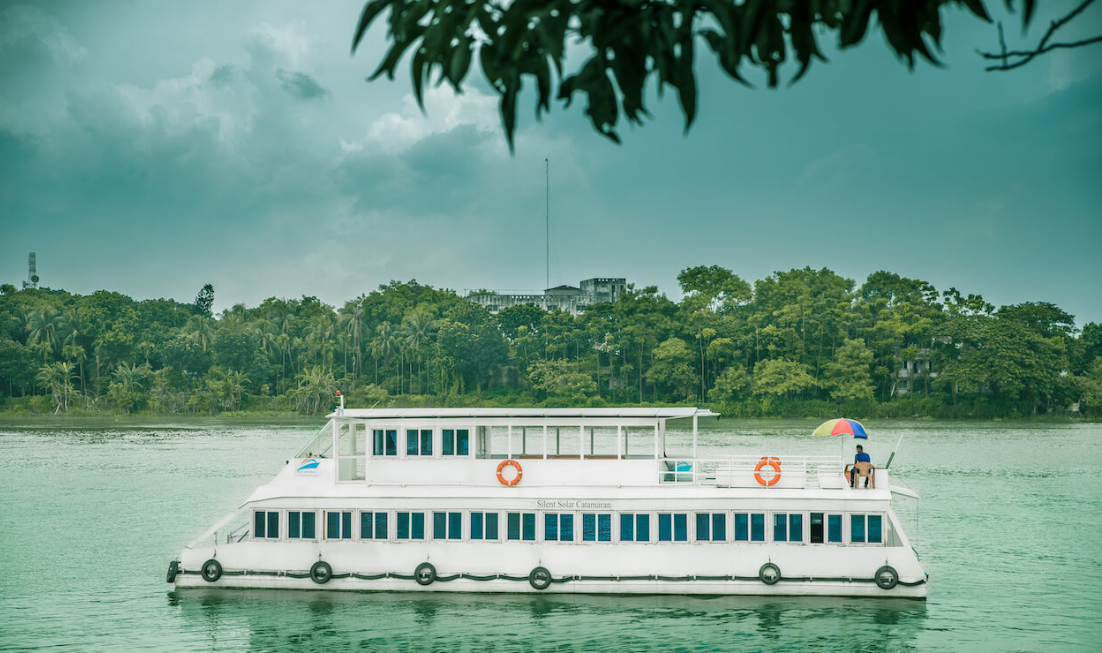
797,344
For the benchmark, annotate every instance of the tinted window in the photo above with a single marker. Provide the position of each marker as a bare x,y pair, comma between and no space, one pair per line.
816,528
856,528
875,536
834,528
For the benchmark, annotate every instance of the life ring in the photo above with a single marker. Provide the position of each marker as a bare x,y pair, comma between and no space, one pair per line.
321,572
425,573
515,464
775,463
211,570
540,578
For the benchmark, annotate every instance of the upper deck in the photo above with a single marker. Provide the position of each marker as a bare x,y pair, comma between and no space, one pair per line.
556,447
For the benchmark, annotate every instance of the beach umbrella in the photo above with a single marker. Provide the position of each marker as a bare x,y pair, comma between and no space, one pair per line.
841,426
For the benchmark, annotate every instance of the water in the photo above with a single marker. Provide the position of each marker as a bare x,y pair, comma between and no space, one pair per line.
90,515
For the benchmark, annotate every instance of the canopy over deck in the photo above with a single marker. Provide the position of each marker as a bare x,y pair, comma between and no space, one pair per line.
529,413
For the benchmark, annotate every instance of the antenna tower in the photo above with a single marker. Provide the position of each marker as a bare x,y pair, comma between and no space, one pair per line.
547,217
32,273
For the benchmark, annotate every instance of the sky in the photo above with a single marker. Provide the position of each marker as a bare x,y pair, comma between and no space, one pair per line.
152,147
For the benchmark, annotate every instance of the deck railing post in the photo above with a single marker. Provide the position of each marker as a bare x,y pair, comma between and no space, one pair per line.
619,434
545,442
581,442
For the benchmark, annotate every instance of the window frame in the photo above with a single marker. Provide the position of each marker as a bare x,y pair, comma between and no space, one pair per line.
267,525
522,526
711,519
345,528
598,517
300,537
484,525
375,515
635,520
410,526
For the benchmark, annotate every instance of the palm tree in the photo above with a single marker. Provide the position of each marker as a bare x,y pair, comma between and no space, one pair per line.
58,380
314,385
352,319
418,329
200,330
42,327
388,344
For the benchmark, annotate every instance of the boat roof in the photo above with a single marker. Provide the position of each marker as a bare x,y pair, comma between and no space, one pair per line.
460,413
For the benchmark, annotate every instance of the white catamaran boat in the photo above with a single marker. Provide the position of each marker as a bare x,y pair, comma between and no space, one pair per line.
553,500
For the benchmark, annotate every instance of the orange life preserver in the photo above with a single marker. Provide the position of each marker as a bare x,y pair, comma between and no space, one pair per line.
775,463
501,479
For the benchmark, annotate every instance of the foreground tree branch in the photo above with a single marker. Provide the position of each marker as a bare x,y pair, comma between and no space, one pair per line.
627,44
1011,59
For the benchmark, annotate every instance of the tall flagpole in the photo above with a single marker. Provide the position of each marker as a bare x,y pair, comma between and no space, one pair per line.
547,217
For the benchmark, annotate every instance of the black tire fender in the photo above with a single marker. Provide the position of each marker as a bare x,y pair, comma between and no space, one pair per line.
211,570
425,574
886,577
540,578
769,573
321,572
173,569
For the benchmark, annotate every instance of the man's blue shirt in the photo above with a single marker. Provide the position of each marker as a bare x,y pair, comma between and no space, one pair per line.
862,457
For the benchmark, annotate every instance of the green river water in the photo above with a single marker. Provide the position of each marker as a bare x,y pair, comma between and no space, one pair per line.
1009,529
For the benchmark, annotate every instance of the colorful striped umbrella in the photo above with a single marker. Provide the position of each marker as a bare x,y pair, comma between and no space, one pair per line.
842,426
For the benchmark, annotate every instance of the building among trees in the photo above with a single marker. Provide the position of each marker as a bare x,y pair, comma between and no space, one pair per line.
570,299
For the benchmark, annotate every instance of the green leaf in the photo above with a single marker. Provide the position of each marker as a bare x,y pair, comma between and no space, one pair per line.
370,12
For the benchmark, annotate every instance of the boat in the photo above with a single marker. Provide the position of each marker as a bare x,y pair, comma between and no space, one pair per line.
575,500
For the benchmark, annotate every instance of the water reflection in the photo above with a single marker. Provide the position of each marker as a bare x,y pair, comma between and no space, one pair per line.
273,619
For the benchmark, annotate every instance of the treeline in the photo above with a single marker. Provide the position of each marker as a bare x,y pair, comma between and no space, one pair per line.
801,342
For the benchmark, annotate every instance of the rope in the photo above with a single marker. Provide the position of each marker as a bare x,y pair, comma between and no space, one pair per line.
561,579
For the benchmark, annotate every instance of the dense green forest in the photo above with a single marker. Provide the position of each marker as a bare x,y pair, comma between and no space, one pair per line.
797,343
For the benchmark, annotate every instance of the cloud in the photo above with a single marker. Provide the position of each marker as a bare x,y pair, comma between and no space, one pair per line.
444,111
300,85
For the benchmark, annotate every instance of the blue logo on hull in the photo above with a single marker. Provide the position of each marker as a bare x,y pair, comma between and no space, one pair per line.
307,464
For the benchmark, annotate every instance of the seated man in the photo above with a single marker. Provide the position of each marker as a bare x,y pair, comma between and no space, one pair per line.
862,464
865,470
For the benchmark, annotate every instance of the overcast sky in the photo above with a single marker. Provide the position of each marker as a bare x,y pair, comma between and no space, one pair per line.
151,147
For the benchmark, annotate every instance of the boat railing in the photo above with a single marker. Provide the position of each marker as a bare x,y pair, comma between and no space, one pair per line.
238,534
744,470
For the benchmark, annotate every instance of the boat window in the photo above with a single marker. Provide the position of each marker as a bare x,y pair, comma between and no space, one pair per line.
338,525
834,528
456,442
385,442
857,528
788,527
418,442
410,526
816,528
673,527
301,525
266,525
373,526
558,527
749,527
484,526
521,526
865,528
597,527
635,527
757,527
711,526
351,440
447,525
